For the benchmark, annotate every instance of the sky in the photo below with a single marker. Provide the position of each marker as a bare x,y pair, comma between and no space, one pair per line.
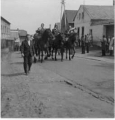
29,14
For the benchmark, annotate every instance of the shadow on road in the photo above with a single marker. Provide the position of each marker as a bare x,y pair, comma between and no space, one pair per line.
12,75
17,63
104,65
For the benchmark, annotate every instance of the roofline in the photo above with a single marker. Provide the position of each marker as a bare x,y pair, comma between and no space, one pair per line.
88,12
5,20
75,16
85,10
77,12
13,30
71,10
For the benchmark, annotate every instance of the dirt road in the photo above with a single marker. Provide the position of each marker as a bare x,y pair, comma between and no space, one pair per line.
46,94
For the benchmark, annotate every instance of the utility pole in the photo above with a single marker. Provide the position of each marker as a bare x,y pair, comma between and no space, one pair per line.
62,6
83,2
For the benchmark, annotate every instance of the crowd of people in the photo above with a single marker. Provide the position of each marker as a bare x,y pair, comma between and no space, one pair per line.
86,41
107,45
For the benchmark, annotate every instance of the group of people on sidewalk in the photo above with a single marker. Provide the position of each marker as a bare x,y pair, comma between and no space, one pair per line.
86,42
107,45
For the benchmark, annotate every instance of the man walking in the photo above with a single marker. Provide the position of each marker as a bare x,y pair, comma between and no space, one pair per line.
27,51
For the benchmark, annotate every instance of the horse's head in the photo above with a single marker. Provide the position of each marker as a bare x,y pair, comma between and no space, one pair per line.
49,34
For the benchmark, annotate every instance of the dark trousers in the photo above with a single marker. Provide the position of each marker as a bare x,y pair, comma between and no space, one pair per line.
87,47
83,49
27,63
111,52
103,53
79,42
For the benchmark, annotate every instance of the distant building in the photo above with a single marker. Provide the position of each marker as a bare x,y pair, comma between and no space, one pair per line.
96,20
18,35
67,19
6,40
15,36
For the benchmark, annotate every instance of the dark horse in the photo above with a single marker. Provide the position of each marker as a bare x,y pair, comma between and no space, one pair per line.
69,45
57,44
42,43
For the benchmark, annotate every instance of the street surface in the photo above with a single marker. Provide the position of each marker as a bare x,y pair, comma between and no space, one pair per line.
80,88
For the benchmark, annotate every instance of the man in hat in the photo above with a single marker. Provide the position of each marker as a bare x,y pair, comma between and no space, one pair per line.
27,51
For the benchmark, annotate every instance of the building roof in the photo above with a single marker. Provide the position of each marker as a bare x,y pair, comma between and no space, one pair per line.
99,12
70,14
22,33
14,34
5,20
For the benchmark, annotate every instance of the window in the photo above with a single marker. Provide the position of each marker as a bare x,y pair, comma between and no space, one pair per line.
82,15
78,32
79,16
5,29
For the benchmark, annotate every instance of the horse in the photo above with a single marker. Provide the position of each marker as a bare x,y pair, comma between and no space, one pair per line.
57,44
69,44
42,43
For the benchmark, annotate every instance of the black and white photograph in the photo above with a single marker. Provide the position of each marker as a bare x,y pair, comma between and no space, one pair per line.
57,58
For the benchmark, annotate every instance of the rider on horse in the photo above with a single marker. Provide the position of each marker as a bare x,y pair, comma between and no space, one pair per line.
41,30
55,31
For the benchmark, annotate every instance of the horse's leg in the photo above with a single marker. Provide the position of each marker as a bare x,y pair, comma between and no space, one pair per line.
46,51
69,54
52,53
73,52
41,55
66,53
62,50
55,54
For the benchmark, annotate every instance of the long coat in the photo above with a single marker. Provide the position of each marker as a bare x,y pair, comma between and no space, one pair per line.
26,49
111,45
103,44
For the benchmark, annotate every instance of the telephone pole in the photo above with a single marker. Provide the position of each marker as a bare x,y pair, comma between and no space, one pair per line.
62,11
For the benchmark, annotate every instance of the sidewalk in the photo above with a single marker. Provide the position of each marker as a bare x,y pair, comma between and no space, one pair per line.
94,54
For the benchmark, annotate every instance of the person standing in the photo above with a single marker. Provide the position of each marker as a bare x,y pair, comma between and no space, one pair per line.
87,43
83,44
111,46
27,51
103,45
